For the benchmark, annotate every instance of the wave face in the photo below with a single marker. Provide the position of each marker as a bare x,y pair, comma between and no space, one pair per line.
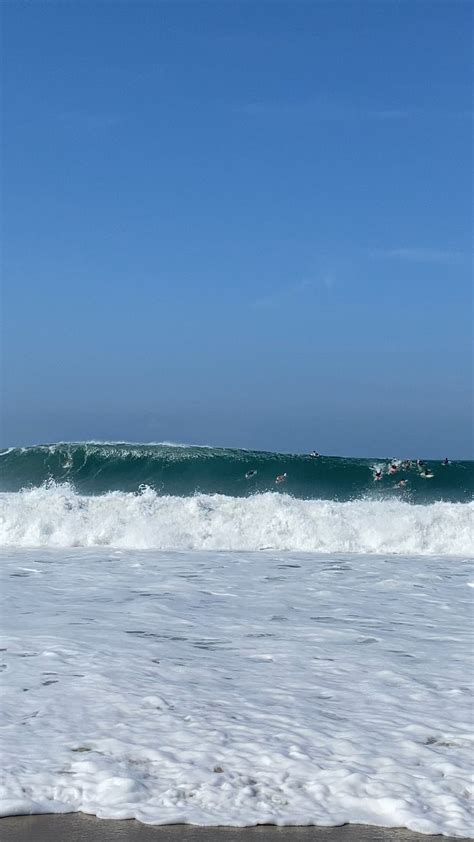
56,516
94,469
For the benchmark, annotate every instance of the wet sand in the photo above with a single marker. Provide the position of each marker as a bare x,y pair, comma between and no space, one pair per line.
77,827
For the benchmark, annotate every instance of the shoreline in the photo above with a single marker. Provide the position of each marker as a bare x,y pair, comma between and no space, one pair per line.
80,827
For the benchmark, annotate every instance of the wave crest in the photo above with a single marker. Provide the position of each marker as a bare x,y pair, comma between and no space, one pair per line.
183,471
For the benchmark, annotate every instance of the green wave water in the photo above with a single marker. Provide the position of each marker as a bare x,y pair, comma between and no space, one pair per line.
97,468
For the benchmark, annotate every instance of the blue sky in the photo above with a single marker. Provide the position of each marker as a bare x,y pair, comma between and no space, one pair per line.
238,223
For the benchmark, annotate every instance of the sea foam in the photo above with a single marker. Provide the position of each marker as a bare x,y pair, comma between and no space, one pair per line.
56,516
237,688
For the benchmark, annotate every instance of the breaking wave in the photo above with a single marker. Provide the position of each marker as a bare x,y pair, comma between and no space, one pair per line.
57,516
169,469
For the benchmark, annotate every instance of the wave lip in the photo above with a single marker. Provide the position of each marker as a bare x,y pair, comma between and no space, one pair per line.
57,516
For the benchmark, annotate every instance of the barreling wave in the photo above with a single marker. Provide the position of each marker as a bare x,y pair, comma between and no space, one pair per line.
173,497
97,468
56,516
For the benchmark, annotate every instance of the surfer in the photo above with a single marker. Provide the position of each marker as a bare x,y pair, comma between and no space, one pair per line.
314,455
280,478
393,468
250,474
377,475
401,484
420,463
426,474
445,461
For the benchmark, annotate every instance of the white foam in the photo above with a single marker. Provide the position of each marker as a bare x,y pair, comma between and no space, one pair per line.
237,688
56,516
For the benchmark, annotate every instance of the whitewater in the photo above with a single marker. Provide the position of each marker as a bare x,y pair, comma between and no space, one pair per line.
56,516
182,644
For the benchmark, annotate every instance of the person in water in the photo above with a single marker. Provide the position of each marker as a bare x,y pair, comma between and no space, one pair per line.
377,475
445,461
250,474
401,484
280,478
393,468
315,454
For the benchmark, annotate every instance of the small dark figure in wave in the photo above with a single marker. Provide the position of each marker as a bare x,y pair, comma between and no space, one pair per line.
250,474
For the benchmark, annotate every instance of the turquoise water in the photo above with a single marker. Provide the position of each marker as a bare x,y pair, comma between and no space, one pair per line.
94,468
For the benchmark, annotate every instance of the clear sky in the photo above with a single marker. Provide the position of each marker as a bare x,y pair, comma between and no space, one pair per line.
238,223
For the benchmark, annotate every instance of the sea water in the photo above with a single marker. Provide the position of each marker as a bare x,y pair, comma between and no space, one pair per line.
289,655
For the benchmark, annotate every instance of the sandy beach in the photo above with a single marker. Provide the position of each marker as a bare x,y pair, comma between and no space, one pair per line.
77,827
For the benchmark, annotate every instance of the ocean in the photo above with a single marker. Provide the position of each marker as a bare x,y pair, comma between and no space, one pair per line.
185,639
